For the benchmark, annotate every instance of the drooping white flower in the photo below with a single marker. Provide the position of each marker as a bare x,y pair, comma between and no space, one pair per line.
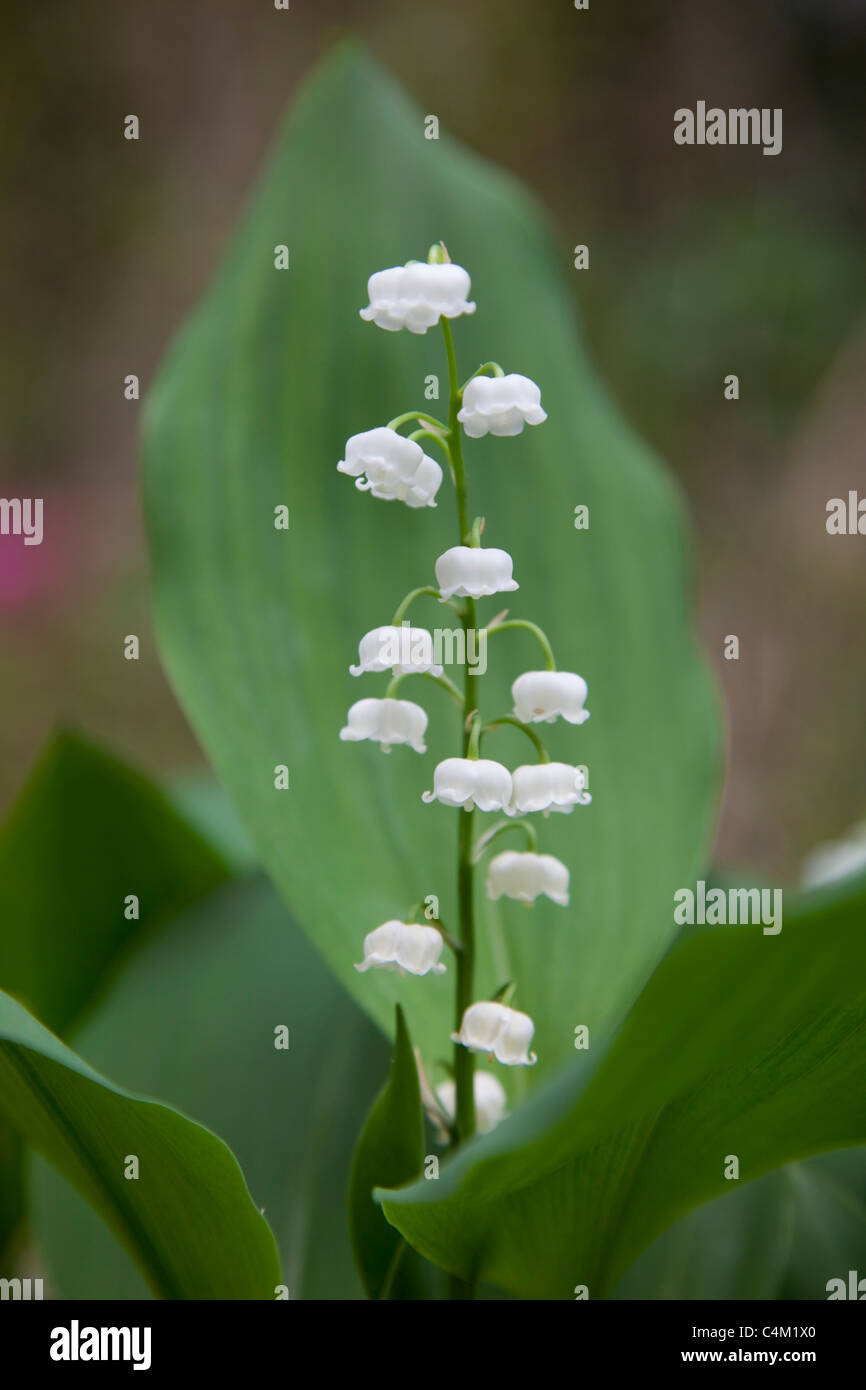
469,571
526,875
547,787
500,405
391,467
405,650
496,1029
469,782
490,1100
403,946
414,296
386,722
540,697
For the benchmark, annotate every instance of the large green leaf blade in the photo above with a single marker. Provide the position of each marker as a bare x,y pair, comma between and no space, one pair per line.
785,1236
187,1218
392,1142
191,1018
573,1187
258,626
85,832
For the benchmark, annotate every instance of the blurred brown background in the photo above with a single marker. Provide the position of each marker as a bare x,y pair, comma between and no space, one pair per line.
703,262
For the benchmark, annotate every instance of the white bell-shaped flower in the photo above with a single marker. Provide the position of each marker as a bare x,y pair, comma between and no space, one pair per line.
469,571
416,295
392,467
490,1100
386,722
540,697
500,405
547,787
469,782
502,1032
425,485
406,650
403,946
526,875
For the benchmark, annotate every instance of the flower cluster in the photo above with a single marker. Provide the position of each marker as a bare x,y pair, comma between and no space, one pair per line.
394,467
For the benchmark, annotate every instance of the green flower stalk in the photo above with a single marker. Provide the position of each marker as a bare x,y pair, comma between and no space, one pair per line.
395,467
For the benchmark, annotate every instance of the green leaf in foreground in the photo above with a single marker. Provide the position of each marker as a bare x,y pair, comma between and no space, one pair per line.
784,1236
191,1018
188,1219
258,626
392,1143
741,1044
85,833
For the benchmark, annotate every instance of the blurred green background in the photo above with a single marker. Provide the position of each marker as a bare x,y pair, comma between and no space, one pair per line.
703,262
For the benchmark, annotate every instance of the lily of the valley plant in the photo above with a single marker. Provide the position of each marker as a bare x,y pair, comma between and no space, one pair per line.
394,467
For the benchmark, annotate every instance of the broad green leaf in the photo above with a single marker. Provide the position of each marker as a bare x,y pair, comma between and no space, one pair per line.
828,1223
191,1018
392,1142
87,833
258,626
12,1196
784,1236
737,1247
187,1217
741,1044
